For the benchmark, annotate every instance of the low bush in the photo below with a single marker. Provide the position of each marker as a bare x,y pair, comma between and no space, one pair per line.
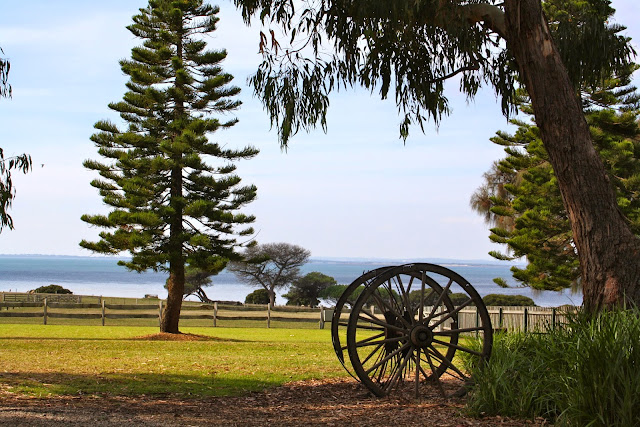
259,296
496,300
51,289
587,374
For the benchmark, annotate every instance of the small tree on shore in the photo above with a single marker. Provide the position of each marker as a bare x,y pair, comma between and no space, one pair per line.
259,296
270,266
51,289
171,209
307,289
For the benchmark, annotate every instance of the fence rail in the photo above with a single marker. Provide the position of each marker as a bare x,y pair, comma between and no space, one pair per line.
17,306
48,306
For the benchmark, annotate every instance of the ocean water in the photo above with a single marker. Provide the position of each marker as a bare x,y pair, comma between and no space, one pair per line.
102,276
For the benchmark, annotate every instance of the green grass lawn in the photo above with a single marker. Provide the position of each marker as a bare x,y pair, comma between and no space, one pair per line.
73,360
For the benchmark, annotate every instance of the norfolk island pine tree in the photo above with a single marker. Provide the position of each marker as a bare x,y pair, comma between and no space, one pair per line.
171,209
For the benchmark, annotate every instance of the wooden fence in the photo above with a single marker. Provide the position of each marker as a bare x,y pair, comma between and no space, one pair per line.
214,314
527,319
107,310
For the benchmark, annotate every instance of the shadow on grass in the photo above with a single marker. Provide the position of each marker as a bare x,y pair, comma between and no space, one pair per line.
140,384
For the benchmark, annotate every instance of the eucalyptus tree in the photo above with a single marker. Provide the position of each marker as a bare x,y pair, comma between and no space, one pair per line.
20,162
174,193
409,48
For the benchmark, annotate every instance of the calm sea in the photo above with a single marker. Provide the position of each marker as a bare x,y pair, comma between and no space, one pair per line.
102,276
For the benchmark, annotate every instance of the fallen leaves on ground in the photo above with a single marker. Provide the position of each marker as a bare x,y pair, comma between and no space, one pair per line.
329,402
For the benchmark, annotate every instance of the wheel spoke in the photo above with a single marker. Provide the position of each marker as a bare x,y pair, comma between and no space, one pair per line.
458,347
439,300
392,299
390,309
404,295
409,285
439,356
366,343
399,371
422,289
371,338
434,376
417,379
458,331
372,353
448,314
377,321
388,357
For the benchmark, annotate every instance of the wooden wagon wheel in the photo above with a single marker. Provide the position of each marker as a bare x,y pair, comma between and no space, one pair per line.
339,325
404,329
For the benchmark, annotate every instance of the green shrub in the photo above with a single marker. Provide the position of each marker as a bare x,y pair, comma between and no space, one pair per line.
259,296
587,374
51,289
496,300
603,371
517,381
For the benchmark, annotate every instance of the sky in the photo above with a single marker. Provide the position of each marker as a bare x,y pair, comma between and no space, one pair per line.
357,191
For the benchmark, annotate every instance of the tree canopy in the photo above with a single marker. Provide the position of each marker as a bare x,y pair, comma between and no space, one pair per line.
307,289
331,45
270,266
521,199
174,194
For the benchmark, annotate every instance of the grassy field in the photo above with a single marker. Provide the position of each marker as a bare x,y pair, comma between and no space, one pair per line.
117,360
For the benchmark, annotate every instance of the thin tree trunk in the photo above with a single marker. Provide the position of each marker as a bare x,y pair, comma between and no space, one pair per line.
272,298
609,253
202,295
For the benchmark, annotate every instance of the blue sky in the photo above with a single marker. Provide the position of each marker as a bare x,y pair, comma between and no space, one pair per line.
357,191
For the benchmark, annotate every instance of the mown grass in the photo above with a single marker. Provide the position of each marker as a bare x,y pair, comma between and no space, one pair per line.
74,360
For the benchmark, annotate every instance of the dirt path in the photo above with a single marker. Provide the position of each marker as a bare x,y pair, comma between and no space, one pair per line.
335,402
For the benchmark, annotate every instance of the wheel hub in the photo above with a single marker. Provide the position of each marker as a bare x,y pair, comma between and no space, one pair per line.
421,336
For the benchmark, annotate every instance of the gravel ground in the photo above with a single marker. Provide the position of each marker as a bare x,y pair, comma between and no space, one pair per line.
333,402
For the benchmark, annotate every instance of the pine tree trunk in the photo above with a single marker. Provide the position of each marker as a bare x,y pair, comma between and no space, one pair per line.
171,312
609,253
175,286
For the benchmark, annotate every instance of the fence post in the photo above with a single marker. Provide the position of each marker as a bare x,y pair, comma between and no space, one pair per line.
477,323
102,303
268,316
159,313
500,317
44,311
321,317
526,319
553,318
215,313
